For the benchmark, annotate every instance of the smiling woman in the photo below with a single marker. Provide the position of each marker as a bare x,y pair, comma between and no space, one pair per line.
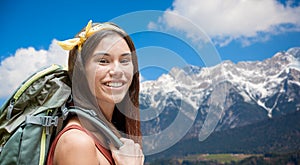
105,79
109,72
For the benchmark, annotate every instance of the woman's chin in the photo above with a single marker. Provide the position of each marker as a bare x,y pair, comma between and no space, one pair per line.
117,98
113,99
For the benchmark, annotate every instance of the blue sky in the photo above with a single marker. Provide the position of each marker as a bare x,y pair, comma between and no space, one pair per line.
238,30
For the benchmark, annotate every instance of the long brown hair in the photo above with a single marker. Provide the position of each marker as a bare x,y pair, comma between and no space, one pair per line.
126,117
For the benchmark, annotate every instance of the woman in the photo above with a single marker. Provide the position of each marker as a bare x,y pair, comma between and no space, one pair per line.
105,78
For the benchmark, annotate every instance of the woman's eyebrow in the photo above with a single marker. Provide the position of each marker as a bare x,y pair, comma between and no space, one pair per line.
126,54
100,53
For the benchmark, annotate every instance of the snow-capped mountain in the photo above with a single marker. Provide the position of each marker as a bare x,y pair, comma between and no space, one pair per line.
224,96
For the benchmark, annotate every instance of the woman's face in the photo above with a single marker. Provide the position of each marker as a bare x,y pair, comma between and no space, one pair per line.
109,70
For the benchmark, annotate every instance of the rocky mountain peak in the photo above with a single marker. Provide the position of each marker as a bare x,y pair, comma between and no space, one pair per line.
224,96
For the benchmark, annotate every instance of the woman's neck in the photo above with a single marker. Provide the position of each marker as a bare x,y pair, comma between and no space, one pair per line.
107,109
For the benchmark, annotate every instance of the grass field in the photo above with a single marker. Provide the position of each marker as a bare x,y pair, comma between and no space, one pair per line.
221,158
292,158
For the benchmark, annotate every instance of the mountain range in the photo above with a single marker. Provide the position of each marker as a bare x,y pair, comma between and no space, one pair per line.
193,102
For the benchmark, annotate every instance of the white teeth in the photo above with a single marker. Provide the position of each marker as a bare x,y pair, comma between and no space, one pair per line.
114,84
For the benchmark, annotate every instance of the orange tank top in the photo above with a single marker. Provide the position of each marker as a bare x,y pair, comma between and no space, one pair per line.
103,150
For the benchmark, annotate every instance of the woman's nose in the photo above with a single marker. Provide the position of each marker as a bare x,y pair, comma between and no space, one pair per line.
116,71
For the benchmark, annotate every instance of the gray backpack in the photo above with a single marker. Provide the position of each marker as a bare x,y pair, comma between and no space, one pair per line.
31,118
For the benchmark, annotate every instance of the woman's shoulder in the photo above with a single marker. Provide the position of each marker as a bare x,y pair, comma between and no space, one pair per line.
76,138
75,147
74,135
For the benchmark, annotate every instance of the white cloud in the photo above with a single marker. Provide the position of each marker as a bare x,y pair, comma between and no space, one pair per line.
224,21
15,69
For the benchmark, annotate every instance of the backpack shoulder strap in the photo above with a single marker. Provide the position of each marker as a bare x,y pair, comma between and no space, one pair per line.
91,116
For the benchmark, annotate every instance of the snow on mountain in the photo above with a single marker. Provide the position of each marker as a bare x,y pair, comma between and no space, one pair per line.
224,96
255,80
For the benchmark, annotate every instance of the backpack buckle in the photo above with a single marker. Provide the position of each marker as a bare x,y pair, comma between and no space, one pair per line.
45,121
10,109
48,121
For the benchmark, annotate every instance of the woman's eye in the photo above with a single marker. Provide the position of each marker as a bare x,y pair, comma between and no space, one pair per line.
125,60
103,61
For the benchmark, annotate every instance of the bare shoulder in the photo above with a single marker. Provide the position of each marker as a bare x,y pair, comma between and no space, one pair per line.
75,147
75,138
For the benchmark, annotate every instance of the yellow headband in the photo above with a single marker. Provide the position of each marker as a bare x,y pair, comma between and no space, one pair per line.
83,36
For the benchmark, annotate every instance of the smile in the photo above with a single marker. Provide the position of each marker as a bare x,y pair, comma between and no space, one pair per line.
114,84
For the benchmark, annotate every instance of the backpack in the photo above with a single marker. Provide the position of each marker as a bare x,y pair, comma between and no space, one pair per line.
32,117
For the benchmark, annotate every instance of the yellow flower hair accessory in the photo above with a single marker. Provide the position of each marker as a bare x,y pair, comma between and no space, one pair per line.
83,36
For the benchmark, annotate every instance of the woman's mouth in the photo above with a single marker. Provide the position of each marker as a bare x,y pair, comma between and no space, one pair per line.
114,84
